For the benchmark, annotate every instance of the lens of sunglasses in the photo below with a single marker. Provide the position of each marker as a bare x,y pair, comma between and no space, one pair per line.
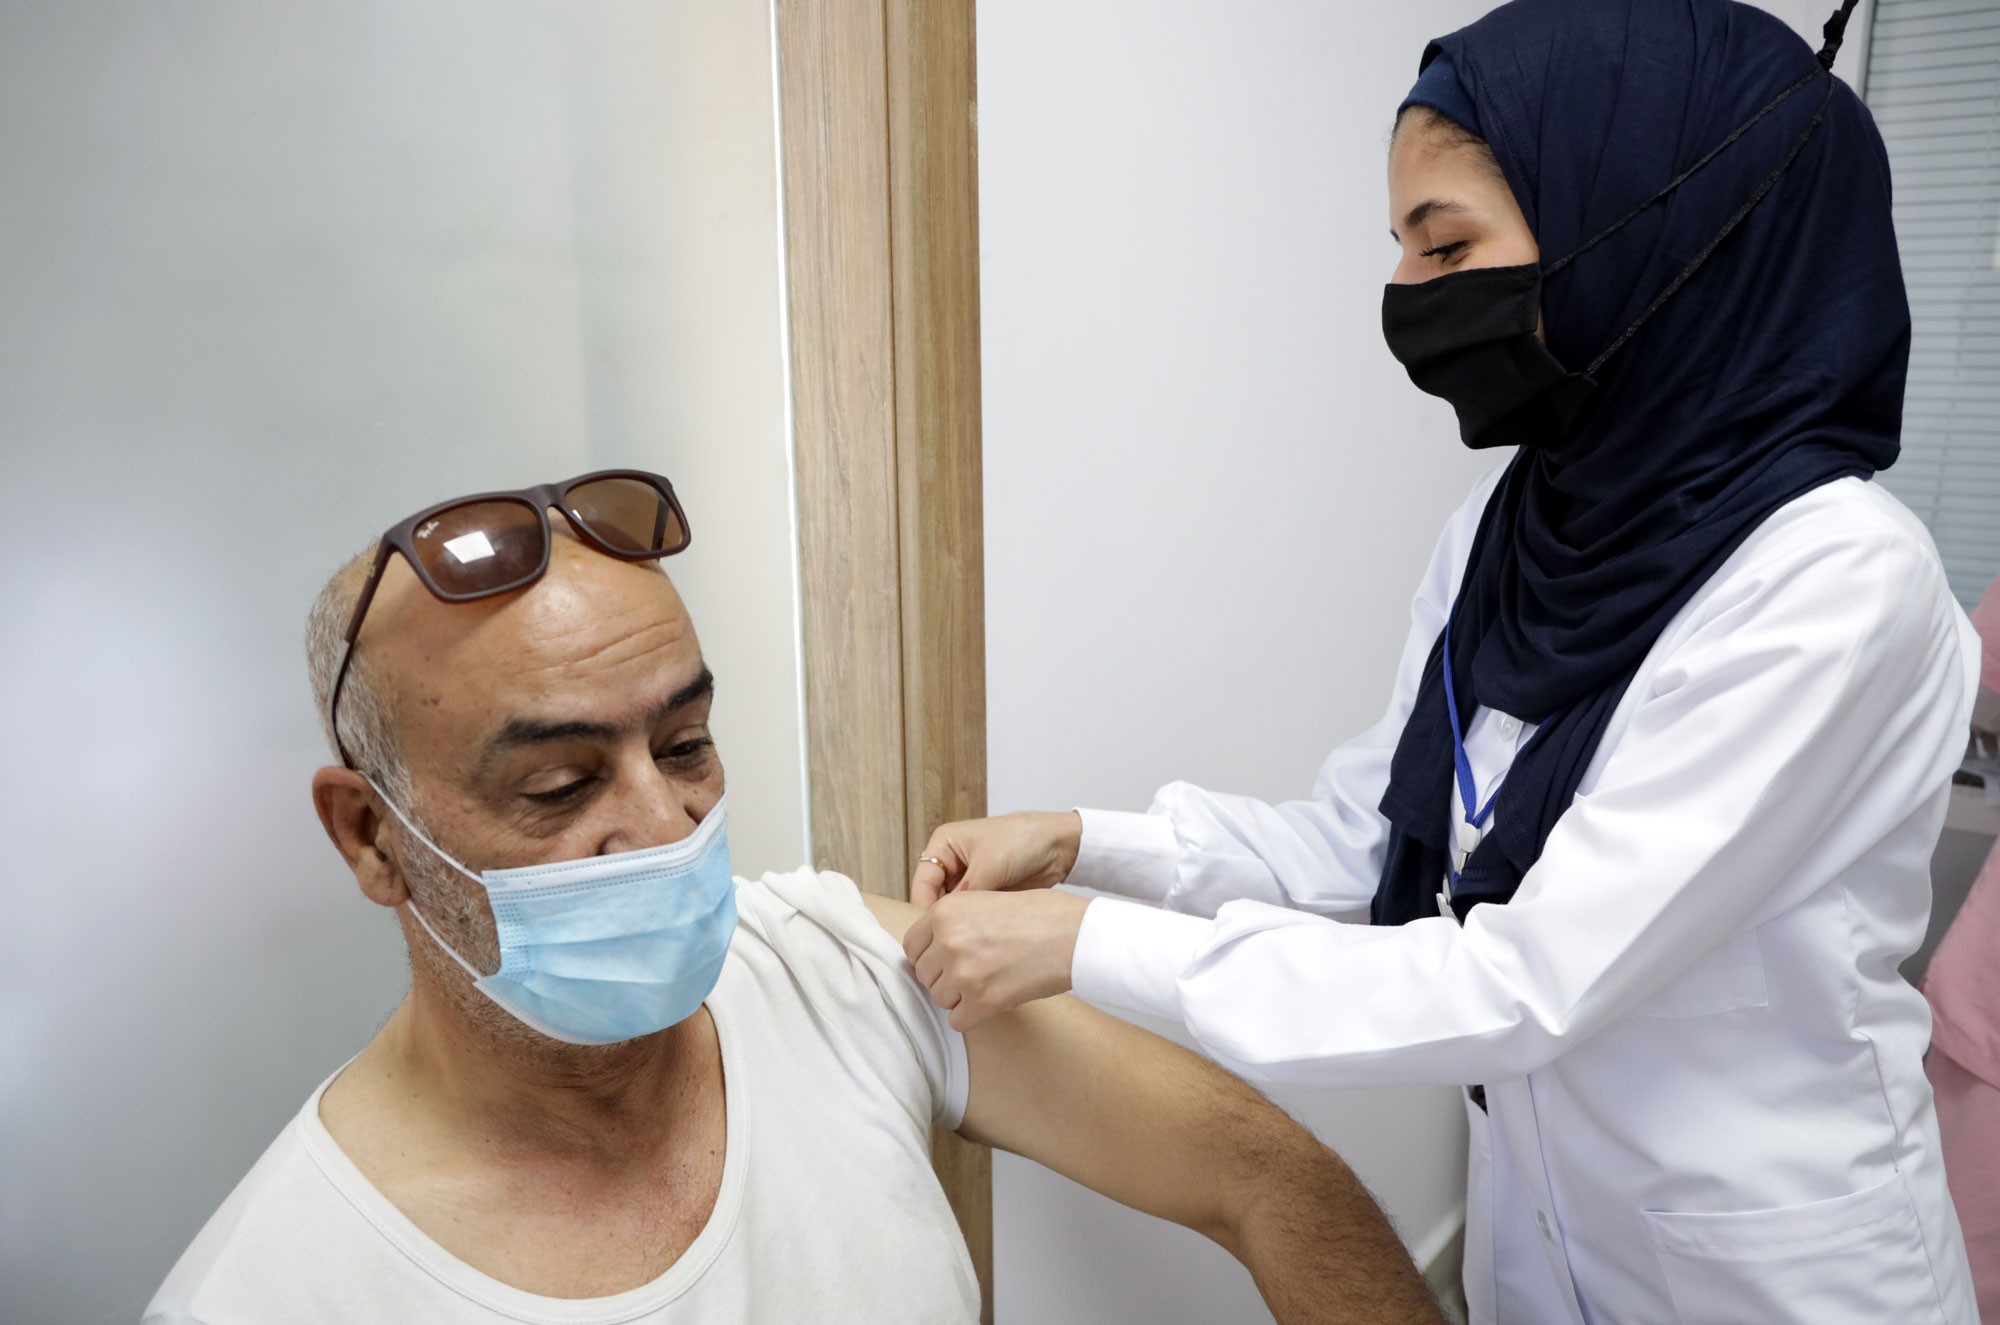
628,515
481,546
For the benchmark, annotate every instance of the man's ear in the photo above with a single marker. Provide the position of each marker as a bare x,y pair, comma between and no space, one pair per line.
347,810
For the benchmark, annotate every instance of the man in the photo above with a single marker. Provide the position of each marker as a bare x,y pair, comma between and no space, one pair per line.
625,1087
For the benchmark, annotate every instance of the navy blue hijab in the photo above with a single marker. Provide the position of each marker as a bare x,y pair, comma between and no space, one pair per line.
1776,368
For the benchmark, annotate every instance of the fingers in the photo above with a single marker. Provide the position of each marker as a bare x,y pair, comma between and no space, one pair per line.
928,883
940,869
927,960
975,994
934,944
930,966
917,938
980,954
1012,852
964,1016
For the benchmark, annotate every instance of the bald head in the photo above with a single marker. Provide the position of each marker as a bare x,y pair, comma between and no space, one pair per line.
596,644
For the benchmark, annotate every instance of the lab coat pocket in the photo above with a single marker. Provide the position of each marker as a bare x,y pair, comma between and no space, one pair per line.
1858,1258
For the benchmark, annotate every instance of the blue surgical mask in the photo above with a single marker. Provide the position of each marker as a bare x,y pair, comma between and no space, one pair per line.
607,948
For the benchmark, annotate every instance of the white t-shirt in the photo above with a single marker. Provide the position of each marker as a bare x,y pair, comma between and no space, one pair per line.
835,1063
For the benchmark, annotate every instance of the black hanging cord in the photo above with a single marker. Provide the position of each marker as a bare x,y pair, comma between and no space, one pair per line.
1835,31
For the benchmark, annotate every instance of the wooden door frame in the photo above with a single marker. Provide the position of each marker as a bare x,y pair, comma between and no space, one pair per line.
877,126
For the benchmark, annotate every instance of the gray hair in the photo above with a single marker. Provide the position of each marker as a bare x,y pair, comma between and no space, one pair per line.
367,716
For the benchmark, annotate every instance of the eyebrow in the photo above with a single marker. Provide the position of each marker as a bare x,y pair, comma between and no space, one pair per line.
520,732
1423,211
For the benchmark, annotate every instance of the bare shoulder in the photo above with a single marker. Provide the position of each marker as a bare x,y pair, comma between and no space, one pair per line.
892,913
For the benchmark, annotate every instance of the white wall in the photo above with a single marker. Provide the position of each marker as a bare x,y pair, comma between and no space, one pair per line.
274,276
1808,19
1209,489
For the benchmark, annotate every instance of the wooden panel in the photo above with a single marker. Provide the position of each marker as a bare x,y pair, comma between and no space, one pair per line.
934,218
880,167
934,192
833,95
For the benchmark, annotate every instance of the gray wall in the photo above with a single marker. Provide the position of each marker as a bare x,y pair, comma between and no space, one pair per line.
271,276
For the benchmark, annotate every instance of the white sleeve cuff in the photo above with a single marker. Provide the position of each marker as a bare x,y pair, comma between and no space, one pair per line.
1133,855
1131,957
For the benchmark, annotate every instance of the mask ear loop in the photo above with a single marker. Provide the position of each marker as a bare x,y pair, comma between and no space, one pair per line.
1770,182
449,951
1677,180
420,834
1835,32
448,859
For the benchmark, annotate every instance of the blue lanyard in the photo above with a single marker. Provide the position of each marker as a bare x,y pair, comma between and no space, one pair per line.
1468,791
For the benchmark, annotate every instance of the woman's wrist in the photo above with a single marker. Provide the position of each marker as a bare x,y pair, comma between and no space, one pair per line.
1065,841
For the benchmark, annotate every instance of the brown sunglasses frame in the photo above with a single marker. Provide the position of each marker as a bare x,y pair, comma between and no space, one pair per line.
400,538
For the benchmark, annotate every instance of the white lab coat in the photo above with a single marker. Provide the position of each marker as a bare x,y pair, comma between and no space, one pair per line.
1705,1098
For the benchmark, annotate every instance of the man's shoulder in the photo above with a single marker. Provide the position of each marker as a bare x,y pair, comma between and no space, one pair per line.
808,909
817,951
811,930
304,1238
250,1236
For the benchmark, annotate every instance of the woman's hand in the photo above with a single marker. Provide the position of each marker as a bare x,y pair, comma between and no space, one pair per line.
1010,851
981,956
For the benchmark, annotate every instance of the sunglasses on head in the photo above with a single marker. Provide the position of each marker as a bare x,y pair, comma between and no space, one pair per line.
495,542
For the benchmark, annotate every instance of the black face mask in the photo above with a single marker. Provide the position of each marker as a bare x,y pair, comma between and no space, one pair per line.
1469,338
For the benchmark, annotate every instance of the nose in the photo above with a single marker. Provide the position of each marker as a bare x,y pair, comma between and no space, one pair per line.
1409,268
649,809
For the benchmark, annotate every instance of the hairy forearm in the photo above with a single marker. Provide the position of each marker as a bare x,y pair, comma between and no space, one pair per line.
1157,1128
1317,1245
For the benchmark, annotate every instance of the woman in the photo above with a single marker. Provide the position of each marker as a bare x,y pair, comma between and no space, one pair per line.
1962,986
1645,830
